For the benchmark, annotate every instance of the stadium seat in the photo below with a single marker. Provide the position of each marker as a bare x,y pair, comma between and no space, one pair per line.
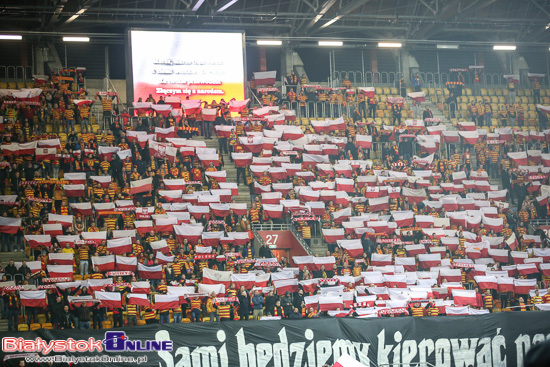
185,320
35,326
41,318
141,322
394,91
47,325
106,324
206,319
22,327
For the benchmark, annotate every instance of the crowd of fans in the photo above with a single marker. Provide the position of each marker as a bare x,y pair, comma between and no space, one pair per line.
407,212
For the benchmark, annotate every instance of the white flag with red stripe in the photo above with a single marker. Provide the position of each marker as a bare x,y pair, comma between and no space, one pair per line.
120,246
143,287
166,301
463,297
329,302
143,226
285,285
64,220
60,271
523,286
125,263
353,247
109,299
265,77
39,240
61,258
210,276
104,263
238,106
520,158
139,186
150,272
53,229
138,299
246,280
33,298
9,225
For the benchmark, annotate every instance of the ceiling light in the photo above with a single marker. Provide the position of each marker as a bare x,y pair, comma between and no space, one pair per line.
390,44
229,3
269,42
12,37
331,43
197,5
448,47
504,47
76,39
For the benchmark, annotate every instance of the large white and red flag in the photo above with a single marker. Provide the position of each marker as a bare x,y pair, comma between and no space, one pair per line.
364,141
64,220
74,190
242,159
395,280
138,299
60,271
352,247
61,258
414,195
381,259
166,301
104,263
52,229
285,285
273,211
265,77
413,250
84,209
209,114
38,240
191,106
330,301
403,218
162,150
162,109
523,286
124,263
96,285
252,144
424,221
142,287
427,261
150,272
139,186
119,246
457,310
246,280
143,226
464,297
10,225
96,237
238,106
109,299
33,298
188,231
486,281
341,215
210,276
520,158
163,133
42,154
408,263
505,284
333,235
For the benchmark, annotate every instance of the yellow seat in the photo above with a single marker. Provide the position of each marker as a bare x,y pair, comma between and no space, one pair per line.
47,325
394,91
41,318
141,322
386,90
206,319
106,324
379,90
528,92
23,327
77,277
185,320
35,326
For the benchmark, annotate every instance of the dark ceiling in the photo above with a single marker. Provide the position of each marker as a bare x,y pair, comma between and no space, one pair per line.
520,21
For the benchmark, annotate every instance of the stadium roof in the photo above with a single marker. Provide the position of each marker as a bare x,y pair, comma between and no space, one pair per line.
414,21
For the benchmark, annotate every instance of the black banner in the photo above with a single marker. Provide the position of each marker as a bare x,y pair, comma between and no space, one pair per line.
500,339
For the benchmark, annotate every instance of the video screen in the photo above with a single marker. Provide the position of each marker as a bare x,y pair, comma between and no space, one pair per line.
201,65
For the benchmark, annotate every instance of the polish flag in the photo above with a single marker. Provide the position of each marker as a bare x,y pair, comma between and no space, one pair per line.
451,275
414,195
166,301
238,208
470,137
398,280
523,286
104,263
273,198
500,256
467,126
189,231
403,218
162,151
242,159
210,276
165,224
45,153
309,286
486,282
322,126
344,184
120,245
264,111
328,302
139,186
109,299
143,287
51,229
191,106
174,184
238,106
333,235
424,221
381,259
197,211
61,258
290,115
171,196
496,224
64,220
220,210
457,311
74,190
379,204
519,256
408,263
97,285
10,225
209,114
413,250
284,285
352,247
526,269
246,280
150,272
224,131
364,141
265,77
97,237
143,226
520,158
35,241
211,238
138,299
60,271
125,263
427,261
463,297
162,109
505,284
165,133
252,144
219,176
107,152
84,209
33,298
545,269
104,181
273,211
